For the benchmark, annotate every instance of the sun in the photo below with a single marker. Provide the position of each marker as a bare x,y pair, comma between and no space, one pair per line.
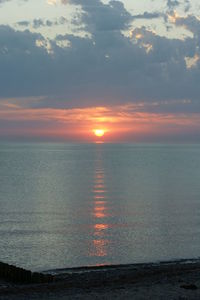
99,132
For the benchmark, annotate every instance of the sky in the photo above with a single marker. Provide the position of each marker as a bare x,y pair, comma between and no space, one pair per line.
130,68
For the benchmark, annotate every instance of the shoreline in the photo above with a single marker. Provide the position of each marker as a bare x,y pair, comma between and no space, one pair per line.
164,280
92,268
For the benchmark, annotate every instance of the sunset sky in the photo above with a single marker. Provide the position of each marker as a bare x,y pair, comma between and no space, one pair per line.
130,68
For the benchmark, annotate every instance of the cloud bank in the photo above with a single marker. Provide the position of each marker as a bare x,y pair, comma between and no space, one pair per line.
113,63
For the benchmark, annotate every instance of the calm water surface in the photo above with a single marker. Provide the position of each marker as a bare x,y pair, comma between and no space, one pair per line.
66,205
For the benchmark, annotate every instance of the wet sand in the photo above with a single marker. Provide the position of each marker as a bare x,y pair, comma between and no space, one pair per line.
169,280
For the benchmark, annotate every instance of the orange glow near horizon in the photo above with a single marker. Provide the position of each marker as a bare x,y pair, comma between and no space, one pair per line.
119,123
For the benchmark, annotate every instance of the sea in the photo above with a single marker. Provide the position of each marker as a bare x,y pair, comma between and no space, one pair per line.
68,205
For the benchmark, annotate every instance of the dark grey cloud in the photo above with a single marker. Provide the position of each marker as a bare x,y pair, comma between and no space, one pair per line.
173,3
38,23
187,4
147,15
101,17
23,23
21,61
191,23
104,67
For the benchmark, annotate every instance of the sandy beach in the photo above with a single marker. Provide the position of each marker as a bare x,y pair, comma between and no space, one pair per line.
171,280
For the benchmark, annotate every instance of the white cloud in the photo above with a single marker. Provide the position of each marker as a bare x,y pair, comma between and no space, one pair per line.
191,62
52,2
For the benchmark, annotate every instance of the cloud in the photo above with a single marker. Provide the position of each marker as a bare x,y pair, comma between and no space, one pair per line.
187,6
191,23
104,17
122,122
173,3
104,66
52,2
148,15
38,23
23,23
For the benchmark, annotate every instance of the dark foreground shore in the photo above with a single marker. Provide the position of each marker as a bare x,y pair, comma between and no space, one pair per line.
171,280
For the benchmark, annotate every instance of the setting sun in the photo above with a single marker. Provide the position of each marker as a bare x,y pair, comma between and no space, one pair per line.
99,132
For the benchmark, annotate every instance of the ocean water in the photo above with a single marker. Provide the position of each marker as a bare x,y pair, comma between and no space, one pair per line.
68,205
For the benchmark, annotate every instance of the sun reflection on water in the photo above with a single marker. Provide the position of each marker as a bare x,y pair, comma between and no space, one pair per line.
100,211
